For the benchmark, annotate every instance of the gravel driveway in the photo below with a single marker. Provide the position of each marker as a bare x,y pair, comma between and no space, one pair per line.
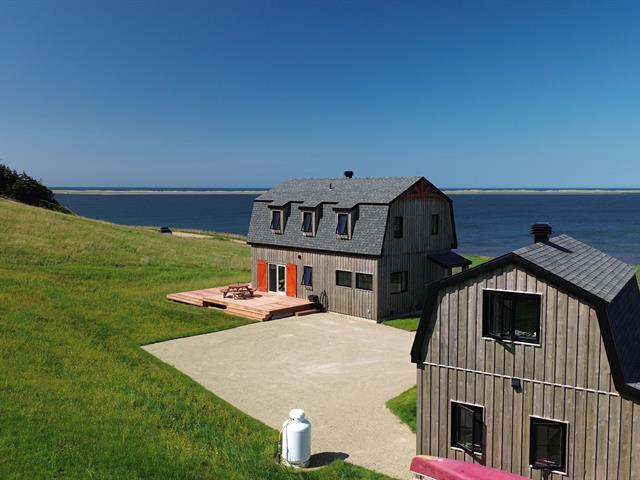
341,370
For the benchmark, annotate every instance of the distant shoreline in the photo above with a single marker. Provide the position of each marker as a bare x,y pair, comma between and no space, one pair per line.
465,191
155,192
549,191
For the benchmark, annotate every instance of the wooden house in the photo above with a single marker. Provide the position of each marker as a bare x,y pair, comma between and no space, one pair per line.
364,246
530,363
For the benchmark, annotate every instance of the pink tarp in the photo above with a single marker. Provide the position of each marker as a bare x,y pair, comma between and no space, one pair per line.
445,469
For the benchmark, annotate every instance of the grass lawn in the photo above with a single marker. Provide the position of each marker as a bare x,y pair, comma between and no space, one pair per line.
78,397
411,323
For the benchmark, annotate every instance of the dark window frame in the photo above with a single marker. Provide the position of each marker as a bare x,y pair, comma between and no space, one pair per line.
398,226
362,274
273,226
477,427
307,282
435,224
304,227
339,231
534,460
501,325
350,279
404,284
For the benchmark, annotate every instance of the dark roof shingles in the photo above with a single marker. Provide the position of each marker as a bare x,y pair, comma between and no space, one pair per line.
580,264
371,195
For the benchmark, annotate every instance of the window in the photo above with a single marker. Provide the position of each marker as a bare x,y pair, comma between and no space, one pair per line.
511,316
276,220
307,222
399,282
364,281
435,224
307,276
343,224
397,227
466,427
548,444
343,278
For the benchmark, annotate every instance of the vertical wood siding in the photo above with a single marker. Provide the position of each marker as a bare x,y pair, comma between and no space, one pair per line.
566,378
409,253
350,301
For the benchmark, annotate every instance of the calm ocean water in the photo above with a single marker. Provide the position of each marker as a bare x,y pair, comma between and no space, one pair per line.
487,224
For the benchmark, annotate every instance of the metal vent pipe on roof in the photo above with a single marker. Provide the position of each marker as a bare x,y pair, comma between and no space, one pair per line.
541,232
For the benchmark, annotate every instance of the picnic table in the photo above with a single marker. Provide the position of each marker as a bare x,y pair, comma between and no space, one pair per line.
238,290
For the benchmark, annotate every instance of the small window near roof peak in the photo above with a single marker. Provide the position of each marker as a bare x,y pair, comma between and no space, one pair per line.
307,222
343,224
397,227
435,224
276,220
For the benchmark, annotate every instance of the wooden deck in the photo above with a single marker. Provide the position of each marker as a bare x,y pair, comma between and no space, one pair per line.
262,306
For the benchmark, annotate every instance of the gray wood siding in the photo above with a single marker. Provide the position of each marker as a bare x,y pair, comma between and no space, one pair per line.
566,378
409,253
350,301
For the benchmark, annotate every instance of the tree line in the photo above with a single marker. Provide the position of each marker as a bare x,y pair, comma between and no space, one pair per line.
23,188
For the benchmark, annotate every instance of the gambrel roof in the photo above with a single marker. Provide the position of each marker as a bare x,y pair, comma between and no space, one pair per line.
606,283
367,198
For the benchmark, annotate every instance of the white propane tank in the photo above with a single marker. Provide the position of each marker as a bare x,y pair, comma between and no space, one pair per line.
296,439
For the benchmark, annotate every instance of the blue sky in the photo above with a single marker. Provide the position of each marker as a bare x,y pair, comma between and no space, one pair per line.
205,94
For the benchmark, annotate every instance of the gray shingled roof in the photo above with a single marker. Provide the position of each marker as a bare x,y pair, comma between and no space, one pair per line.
371,195
342,192
582,265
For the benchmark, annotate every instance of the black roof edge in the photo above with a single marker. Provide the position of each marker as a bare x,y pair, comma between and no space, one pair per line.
462,263
598,304
609,345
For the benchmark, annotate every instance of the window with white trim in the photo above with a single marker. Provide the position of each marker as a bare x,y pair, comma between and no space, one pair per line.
511,316
307,223
466,427
548,444
342,228
307,276
276,221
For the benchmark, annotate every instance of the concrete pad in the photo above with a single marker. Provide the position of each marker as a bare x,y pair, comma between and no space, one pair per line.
341,370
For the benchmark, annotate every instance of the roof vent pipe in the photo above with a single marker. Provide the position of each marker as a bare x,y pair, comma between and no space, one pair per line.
348,174
541,232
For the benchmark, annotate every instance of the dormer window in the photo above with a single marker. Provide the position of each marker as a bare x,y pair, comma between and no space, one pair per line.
276,221
307,223
342,228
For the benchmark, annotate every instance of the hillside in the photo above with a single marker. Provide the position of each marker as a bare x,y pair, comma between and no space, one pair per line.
78,397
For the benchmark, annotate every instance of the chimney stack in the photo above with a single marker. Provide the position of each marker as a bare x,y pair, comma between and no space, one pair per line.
541,232
348,174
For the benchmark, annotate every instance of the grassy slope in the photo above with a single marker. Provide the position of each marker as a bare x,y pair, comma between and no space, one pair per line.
78,397
411,323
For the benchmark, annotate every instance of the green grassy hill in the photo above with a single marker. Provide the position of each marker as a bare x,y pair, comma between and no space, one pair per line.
78,397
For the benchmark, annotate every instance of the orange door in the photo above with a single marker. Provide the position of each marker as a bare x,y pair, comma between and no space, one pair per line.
262,275
292,284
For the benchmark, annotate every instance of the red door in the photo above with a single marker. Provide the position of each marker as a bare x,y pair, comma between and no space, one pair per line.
262,275
292,284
